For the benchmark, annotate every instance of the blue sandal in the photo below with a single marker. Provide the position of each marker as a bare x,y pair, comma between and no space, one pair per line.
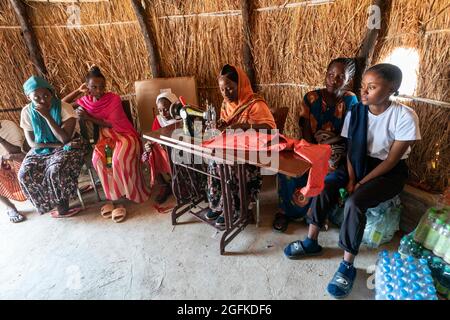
341,285
295,250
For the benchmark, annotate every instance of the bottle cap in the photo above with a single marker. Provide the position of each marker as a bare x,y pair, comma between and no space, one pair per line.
416,287
414,276
410,259
404,293
412,267
431,290
423,261
389,288
428,280
391,297
397,255
418,296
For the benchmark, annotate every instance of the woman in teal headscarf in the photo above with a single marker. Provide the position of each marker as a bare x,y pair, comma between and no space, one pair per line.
49,173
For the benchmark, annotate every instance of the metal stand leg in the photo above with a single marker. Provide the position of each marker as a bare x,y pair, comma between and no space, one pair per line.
93,183
80,198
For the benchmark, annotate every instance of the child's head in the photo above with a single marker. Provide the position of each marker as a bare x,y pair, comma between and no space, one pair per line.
96,83
379,83
339,73
163,105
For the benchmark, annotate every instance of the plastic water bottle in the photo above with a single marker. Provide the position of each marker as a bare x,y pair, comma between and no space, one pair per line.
108,155
443,242
434,233
447,255
443,282
343,195
424,225
405,245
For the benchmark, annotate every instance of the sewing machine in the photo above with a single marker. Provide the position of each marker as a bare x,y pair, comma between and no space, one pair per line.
188,113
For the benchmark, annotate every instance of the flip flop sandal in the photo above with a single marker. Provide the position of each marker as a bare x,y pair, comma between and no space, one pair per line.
280,223
86,188
298,251
14,216
106,210
119,214
70,213
343,282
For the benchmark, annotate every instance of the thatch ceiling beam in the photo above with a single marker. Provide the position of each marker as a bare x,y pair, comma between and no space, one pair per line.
154,59
247,54
29,36
367,47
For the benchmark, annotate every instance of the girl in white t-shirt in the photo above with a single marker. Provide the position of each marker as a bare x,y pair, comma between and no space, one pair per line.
379,136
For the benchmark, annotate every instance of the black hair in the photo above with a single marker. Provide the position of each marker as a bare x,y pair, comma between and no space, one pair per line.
349,66
230,72
164,98
94,72
389,72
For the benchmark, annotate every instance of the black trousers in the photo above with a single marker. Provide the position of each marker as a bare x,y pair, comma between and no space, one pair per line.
368,195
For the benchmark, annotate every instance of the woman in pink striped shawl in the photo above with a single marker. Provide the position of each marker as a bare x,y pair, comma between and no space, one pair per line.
122,177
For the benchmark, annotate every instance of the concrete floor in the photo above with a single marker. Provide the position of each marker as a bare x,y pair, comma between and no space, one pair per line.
145,257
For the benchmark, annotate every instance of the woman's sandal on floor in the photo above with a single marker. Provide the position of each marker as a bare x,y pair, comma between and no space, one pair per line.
343,283
119,214
15,216
297,251
70,213
280,223
106,210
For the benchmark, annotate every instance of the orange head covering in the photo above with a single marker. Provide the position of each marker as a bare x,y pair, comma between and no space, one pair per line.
246,97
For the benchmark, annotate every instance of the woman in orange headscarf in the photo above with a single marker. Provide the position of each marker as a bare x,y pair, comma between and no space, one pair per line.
241,109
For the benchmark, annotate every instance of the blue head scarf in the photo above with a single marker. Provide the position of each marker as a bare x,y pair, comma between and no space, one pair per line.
41,129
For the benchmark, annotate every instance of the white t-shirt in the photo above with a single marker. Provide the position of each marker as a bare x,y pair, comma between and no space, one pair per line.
398,122
11,133
67,112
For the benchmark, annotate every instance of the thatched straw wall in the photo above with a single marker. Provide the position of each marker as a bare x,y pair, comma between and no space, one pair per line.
291,48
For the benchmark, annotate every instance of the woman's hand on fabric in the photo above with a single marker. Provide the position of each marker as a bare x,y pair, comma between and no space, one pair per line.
81,113
14,156
350,187
75,144
148,146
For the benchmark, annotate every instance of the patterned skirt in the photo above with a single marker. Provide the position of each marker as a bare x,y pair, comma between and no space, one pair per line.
49,179
214,189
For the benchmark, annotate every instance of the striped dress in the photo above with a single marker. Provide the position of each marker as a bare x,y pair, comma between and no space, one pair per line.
9,184
124,178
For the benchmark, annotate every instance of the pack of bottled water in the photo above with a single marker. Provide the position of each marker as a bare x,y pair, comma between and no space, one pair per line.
398,278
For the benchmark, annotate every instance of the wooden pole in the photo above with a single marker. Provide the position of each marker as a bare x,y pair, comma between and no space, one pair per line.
247,54
149,38
366,50
29,37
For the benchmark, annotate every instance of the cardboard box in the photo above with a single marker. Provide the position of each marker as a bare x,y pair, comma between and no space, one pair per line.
148,90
